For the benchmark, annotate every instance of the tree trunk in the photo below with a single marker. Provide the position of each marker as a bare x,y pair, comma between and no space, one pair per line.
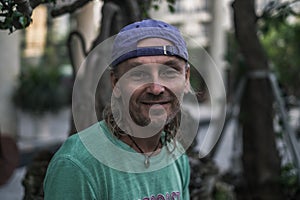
261,162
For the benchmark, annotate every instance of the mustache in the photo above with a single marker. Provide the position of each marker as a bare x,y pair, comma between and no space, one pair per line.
162,97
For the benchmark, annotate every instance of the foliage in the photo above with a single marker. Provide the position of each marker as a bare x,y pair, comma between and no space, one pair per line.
206,182
279,31
155,5
224,191
35,174
40,89
16,14
289,180
281,43
42,86
275,13
11,17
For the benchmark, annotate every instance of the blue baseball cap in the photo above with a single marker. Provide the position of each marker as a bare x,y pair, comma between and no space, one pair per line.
126,42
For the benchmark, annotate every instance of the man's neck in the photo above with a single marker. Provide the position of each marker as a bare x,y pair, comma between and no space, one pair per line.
143,139
143,145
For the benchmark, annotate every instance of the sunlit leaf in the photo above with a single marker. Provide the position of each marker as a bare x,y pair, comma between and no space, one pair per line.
23,21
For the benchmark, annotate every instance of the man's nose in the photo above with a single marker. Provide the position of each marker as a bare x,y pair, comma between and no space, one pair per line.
155,88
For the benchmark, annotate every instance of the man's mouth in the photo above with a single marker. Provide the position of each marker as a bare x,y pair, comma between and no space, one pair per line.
156,107
155,102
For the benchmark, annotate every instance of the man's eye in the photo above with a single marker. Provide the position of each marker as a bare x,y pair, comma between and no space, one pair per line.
138,75
170,73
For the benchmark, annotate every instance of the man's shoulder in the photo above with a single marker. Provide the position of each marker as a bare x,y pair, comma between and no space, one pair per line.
75,147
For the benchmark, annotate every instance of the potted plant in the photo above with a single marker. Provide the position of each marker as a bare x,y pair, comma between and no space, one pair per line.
40,92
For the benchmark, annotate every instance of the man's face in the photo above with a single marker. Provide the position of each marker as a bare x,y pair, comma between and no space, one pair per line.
151,86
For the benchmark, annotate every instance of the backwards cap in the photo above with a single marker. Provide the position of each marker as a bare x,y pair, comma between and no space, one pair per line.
125,43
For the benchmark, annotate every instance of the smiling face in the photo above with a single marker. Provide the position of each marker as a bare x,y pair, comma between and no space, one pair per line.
151,87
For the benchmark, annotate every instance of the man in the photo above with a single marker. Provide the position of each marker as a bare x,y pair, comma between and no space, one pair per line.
134,153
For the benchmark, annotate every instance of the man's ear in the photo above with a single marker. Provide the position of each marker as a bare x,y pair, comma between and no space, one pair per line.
187,88
114,83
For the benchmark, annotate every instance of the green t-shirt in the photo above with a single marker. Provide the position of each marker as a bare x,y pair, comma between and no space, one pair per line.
94,164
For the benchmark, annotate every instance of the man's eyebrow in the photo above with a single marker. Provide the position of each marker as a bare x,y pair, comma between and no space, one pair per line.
171,62
135,64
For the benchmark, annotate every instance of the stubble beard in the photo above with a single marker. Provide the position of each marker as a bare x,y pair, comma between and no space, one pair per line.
144,121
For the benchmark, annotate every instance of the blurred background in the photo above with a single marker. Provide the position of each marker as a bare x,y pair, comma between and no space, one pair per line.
254,44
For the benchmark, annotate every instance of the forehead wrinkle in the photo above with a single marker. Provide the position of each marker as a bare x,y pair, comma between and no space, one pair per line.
145,60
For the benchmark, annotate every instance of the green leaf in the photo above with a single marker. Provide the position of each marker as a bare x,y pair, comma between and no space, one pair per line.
171,1
40,90
23,21
171,8
17,14
156,7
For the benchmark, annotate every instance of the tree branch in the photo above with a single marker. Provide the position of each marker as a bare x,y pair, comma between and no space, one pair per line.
69,8
26,6
17,14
